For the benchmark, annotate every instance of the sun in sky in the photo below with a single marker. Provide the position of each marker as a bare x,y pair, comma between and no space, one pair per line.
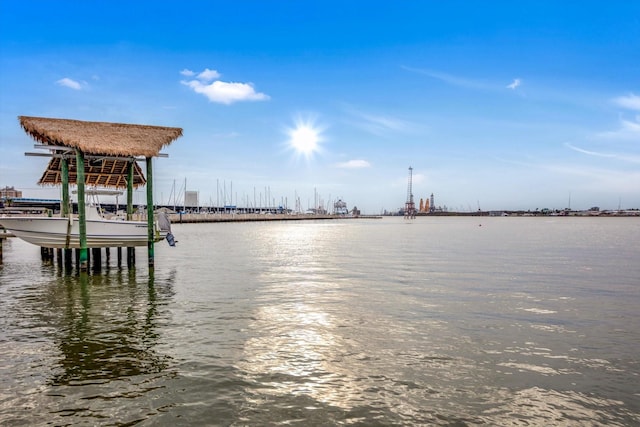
305,138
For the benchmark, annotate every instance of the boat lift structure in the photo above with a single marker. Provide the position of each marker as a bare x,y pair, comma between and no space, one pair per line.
99,154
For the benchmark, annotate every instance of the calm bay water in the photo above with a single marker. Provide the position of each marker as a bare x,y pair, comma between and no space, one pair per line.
435,321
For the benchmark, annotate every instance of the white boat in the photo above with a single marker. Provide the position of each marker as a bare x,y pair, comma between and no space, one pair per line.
61,232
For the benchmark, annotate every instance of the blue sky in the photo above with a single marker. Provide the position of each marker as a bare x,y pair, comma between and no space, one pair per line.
505,105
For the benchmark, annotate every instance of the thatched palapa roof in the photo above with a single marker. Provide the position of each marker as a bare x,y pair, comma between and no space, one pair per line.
114,139
109,140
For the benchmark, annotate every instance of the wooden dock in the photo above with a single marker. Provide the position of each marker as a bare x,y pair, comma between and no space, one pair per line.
248,217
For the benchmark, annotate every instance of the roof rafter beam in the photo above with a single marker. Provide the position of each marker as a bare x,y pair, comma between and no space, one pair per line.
60,149
93,157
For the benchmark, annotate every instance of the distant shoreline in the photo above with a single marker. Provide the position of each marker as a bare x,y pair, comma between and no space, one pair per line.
218,217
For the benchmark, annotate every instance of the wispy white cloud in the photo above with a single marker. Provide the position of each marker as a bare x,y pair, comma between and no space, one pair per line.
354,164
628,130
630,101
632,126
379,124
209,75
385,122
590,153
70,83
514,84
451,79
219,91
623,157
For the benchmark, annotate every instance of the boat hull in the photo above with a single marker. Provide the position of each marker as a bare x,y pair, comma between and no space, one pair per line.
56,232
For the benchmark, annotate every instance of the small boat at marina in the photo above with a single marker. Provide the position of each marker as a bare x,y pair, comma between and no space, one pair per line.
62,232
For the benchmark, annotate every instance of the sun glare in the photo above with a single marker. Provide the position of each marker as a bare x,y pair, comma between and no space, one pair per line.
304,139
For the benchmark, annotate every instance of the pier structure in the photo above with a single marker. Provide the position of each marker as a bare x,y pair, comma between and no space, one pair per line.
99,154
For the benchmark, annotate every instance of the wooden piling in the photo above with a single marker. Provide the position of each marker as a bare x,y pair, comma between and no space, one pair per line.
65,187
131,255
46,254
97,259
68,264
82,216
150,227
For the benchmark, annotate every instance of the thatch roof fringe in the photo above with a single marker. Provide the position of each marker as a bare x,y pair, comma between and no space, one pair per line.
115,139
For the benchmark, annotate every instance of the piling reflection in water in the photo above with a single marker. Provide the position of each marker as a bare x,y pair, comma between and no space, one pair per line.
106,327
82,346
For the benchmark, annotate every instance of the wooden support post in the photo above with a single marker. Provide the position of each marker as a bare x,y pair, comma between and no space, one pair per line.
97,259
82,216
68,256
130,190
150,222
131,255
119,256
64,209
46,254
107,255
59,258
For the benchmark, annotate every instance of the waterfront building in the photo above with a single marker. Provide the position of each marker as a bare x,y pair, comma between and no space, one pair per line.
9,193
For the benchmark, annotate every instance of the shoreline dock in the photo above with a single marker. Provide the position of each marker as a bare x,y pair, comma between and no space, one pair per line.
249,217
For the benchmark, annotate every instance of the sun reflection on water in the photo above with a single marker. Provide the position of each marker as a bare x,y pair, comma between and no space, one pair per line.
295,348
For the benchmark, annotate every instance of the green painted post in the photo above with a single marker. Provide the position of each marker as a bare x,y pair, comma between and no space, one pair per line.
82,215
150,228
130,251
